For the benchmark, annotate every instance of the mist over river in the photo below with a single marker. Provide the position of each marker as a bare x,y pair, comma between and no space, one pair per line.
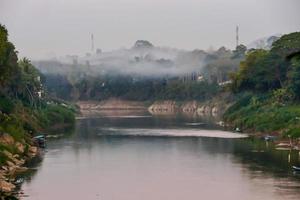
142,157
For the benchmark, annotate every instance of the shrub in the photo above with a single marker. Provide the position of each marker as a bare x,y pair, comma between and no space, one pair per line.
6,105
56,114
293,132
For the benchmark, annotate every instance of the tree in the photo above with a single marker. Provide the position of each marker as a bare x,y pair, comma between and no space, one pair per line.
294,76
287,45
8,59
240,51
251,75
28,83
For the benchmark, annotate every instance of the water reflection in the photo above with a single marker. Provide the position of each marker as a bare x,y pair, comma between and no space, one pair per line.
92,164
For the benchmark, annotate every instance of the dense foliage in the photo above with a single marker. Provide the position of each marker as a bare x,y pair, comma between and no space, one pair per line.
24,108
143,89
268,83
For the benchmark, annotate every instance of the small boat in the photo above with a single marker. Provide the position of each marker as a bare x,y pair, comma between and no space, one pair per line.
237,129
283,144
194,124
269,138
40,141
296,168
19,181
283,149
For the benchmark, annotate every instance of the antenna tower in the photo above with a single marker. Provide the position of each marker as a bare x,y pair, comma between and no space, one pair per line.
92,40
237,36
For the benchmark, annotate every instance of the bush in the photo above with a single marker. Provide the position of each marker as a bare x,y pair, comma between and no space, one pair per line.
11,125
293,132
54,114
6,105
259,113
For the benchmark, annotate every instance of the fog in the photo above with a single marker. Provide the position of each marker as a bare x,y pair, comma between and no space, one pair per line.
54,28
142,59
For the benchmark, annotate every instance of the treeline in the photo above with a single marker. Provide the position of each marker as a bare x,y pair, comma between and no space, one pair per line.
25,109
129,88
268,88
77,82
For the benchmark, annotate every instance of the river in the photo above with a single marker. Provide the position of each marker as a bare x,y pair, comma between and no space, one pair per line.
128,157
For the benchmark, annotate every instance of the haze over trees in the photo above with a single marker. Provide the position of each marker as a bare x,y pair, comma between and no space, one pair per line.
143,72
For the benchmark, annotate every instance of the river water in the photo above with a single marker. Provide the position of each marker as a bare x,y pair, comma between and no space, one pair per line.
128,157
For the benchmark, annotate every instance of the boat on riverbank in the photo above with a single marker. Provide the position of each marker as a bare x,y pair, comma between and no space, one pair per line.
40,141
295,168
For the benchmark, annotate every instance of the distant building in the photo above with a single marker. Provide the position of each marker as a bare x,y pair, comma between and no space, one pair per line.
200,78
39,94
224,83
75,61
194,76
98,51
40,91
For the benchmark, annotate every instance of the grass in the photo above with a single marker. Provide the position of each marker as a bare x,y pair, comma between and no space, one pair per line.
263,115
56,115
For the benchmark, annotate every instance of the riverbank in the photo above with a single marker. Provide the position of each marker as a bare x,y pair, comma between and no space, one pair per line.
212,108
17,146
14,156
111,104
264,117
26,110
215,107
218,109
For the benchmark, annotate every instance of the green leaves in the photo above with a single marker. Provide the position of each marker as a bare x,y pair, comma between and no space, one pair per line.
3,44
8,58
294,76
264,70
28,83
254,73
287,45
269,85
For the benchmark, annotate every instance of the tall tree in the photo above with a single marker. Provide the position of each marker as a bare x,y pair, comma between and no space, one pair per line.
8,59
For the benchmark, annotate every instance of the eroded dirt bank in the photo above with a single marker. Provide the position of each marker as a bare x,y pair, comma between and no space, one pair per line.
199,108
111,104
13,157
165,107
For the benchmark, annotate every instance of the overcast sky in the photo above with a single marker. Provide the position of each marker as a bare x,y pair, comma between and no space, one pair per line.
42,28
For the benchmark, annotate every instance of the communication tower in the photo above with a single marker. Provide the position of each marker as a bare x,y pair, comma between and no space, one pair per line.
92,40
237,36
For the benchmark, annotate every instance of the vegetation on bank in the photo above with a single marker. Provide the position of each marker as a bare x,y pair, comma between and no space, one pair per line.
25,108
267,86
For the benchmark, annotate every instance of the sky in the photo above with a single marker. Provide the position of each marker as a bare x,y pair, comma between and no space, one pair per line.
49,28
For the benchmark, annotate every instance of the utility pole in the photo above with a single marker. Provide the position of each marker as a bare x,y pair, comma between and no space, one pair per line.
92,40
237,36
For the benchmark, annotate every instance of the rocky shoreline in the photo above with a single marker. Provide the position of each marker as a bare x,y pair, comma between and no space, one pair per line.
111,104
163,107
199,108
16,157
